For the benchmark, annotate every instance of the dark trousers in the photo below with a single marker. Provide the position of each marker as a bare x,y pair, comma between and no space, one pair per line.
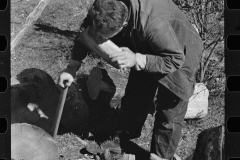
170,112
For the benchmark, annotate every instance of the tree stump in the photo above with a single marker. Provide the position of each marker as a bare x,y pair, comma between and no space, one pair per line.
29,142
210,145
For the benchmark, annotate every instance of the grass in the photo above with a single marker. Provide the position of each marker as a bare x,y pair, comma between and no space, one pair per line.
47,46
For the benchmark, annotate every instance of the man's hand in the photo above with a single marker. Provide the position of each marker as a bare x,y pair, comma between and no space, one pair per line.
125,59
67,75
64,76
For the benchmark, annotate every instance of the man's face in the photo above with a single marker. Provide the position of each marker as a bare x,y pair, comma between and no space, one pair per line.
107,36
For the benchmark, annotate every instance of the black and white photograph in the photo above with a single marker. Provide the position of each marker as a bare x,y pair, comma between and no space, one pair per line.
117,79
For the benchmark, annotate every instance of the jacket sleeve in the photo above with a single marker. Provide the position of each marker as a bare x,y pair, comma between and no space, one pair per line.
79,51
168,54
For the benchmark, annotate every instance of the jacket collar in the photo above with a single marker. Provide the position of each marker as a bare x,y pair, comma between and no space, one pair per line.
135,13
132,15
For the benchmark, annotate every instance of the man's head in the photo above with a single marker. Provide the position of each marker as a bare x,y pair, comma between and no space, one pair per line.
109,17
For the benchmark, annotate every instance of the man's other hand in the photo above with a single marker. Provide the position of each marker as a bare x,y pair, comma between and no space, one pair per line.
65,78
125,59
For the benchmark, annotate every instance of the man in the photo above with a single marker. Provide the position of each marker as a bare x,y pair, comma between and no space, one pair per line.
163,51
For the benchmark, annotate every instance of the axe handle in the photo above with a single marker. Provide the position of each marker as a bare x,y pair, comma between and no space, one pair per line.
58,114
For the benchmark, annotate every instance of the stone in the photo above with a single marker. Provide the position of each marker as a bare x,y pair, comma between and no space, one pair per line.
198,102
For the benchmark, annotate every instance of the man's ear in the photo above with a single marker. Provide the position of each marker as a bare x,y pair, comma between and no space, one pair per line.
125,24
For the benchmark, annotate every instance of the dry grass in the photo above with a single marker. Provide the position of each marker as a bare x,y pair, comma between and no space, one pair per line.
47,46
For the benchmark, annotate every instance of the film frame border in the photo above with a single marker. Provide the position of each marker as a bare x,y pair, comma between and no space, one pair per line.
232,111
5,109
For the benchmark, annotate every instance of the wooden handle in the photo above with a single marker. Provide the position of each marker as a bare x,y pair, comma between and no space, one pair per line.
58,114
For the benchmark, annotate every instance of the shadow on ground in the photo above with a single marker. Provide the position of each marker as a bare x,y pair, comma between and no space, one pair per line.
48,28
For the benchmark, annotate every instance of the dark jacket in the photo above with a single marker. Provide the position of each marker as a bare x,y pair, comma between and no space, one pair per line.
172,45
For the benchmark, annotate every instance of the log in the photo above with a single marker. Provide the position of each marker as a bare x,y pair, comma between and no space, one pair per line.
96,84
198,103
32,17
93,83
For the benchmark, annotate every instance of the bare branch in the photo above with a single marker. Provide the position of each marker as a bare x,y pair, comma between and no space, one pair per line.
213,42
208,58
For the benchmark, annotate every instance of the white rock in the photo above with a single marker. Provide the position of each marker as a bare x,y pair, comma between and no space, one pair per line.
198,103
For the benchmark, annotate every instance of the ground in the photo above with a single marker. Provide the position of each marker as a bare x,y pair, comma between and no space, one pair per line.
47,44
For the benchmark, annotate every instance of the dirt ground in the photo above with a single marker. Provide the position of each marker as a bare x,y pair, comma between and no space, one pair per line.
46,46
